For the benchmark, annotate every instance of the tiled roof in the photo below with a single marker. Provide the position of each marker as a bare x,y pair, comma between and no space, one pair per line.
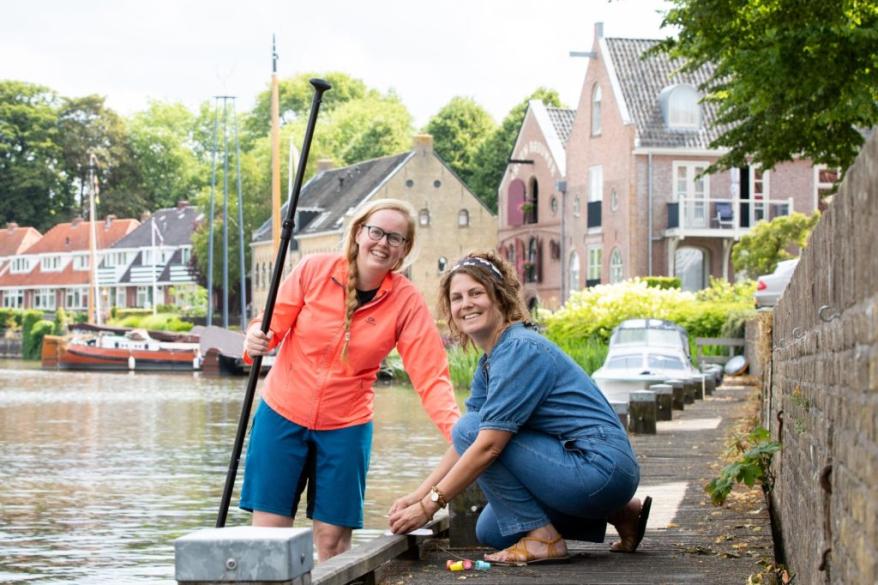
40,278
641,82
562,120
73,237
326,198
14,239
175,225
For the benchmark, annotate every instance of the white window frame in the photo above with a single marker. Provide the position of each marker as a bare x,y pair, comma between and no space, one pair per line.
13,298
822,185
80,262
76,298
44,298
595,183
574,269
694,213
142,301
463,218
684,113
596,96
121,296
185,254
617,266
21,265
595,262
50,263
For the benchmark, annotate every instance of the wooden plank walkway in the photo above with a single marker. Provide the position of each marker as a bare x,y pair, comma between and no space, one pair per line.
687,540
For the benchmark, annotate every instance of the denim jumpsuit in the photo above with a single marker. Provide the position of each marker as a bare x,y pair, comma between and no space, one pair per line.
569,461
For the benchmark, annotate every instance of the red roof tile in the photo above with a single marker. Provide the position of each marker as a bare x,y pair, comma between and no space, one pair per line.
14,239
73,237
37,277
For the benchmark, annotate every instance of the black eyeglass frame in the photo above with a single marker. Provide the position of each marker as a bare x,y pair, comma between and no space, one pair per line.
371,230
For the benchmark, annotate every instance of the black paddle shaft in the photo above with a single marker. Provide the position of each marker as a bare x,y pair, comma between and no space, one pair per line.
286,234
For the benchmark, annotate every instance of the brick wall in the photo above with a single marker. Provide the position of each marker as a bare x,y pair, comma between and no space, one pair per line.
823,382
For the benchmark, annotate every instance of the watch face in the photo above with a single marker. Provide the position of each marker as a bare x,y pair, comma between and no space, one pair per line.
434,497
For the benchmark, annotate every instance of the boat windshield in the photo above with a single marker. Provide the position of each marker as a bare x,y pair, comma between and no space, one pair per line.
664,362
651,337
625,362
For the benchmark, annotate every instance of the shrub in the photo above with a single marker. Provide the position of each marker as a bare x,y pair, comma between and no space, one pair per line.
588,353
61,321
753,465
665,282
32,344
462,364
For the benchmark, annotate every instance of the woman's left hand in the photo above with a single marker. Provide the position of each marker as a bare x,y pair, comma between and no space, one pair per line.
404,502
407,519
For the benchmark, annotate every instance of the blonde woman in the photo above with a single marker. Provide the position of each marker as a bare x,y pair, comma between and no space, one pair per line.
544,444
337,317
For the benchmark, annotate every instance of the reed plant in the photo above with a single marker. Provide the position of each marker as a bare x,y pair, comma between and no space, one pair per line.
462,364
589,353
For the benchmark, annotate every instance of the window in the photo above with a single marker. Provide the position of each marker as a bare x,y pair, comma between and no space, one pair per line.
825,180
532,266
185,255
20,265
121,297
442,263
759,193
80,262
144,297
596,183
680,107
625,362
50,263
76,298
573,271
44,298
424,217
462,218
532,202
663,362
617,269
596,110
576,207
692,191
553,205
595,259
13,298
614,200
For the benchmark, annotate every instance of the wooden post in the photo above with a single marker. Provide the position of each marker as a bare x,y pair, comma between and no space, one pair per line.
664,400
698,384
621,409
642,409
465,510
678,393
688,391
709,385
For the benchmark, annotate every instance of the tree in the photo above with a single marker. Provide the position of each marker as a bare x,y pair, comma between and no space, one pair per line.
769,242
458,130
496,150
33,185
791,79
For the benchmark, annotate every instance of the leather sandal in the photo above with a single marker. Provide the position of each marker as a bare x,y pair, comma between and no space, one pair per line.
518,555
642,518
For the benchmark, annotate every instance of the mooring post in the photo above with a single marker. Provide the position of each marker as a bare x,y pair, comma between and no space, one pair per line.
642,411
664,400
244,554
677,385
621,409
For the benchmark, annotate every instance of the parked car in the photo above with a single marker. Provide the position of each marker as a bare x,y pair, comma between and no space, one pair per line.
770,287
643,352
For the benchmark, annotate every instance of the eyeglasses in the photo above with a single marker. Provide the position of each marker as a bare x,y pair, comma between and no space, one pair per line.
393,239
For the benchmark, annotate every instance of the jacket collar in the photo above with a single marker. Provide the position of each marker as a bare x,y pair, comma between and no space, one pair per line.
340,276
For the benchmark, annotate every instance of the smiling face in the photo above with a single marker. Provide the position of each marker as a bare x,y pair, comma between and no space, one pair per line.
474,312
376,258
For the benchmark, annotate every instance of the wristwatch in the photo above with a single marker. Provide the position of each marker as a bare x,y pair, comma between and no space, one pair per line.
438,497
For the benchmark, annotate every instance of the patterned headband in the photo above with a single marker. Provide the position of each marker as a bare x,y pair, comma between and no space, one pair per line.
479,263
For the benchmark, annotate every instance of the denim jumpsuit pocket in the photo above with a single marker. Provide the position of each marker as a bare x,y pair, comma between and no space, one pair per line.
606,475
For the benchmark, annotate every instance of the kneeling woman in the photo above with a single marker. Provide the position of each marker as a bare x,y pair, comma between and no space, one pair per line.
540,439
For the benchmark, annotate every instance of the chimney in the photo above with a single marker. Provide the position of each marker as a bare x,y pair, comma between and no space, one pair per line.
423,143
109,220
11,226
598,30
325,164
145,216
182,204
76,221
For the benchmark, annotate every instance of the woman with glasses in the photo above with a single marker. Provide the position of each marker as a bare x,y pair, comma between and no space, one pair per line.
337,317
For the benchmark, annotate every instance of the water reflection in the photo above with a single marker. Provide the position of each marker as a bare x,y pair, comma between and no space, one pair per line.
101,472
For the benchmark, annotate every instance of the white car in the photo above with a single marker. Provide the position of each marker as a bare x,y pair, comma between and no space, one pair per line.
643,352
770,287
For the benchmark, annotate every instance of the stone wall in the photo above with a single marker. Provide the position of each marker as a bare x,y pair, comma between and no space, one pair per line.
822,391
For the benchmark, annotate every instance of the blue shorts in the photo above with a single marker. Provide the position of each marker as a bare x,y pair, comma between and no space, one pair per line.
284,458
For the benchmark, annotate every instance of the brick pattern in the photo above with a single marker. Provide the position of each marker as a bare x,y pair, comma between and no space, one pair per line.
824,379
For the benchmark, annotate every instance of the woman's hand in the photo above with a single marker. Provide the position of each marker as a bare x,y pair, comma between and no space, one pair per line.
256,342
404,502
410,517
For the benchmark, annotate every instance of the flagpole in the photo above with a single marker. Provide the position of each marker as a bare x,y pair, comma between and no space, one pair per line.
94,297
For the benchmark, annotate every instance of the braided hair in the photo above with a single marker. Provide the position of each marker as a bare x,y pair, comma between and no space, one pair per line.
352,249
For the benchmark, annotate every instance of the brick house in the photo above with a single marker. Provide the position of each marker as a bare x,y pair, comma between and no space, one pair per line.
54,271
633,199
13,241
531,220
451,220
152,260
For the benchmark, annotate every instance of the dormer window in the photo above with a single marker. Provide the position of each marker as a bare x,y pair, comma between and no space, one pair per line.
596,110
50,263
680,107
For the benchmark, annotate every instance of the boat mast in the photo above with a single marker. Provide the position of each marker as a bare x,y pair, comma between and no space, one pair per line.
94,300
275,151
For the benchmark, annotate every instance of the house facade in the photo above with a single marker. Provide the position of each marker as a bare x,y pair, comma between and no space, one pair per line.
151,265
451,220
54,271
531,219
632,191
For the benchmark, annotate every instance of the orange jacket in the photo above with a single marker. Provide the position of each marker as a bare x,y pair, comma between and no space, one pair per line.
309,383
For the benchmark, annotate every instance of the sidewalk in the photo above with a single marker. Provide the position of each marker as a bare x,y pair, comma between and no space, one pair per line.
687,541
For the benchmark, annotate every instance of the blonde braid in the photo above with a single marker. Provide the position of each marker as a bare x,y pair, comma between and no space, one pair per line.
350,299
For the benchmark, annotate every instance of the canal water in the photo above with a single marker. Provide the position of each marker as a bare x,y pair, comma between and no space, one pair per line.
100,472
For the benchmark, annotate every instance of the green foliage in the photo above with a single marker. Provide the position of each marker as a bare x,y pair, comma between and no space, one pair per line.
753,465
459,129
32,341
665,282
462,364
150,322
496,149
759,251
723,291
61,321
589,353
792,79
10,318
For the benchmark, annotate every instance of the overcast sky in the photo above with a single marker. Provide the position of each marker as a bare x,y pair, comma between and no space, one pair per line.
130,51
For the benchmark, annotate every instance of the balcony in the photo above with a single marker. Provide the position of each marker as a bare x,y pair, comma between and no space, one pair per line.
715,217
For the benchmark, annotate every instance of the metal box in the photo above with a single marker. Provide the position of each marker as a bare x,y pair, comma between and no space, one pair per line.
244,553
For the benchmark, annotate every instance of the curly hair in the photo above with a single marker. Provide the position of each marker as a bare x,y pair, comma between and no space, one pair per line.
351,249
504,289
